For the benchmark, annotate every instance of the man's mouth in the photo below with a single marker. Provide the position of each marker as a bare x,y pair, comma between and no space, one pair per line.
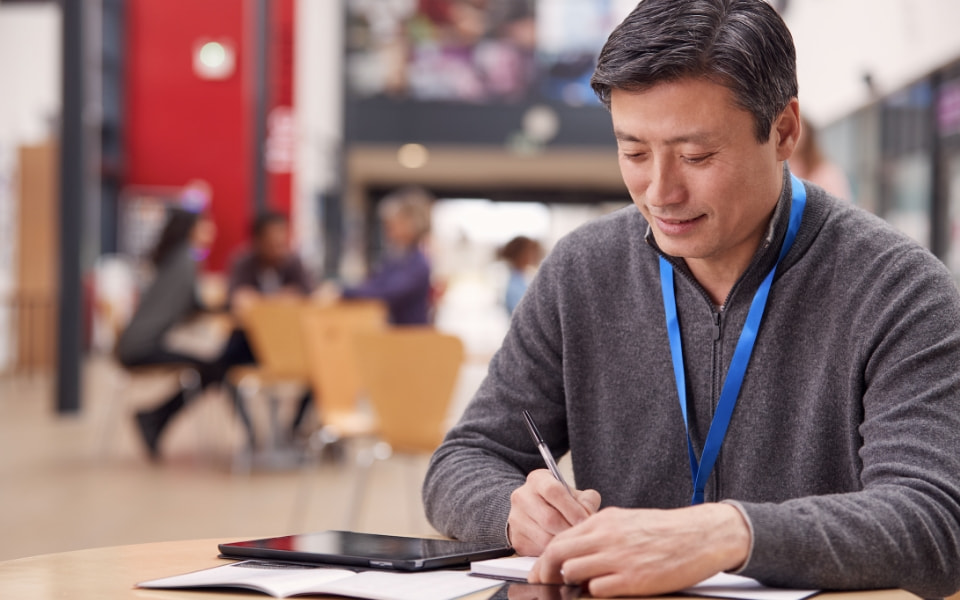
677,226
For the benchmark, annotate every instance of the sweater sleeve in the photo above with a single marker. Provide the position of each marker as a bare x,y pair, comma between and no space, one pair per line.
488,453
395,280
902,529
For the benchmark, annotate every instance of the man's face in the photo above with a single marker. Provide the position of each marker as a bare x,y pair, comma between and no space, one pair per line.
694,168
274,243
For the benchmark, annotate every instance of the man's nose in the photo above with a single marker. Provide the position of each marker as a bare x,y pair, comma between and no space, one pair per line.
664,187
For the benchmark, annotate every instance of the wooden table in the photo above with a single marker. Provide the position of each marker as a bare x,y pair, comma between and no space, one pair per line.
108,573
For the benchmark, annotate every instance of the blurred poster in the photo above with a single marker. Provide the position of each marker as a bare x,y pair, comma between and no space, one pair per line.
477,51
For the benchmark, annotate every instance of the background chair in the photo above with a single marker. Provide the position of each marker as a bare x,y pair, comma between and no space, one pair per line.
329,334
410,374
334,369
274,330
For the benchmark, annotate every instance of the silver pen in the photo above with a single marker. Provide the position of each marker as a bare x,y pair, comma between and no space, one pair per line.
545,451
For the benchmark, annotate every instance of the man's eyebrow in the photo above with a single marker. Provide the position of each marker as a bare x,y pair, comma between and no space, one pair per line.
691,138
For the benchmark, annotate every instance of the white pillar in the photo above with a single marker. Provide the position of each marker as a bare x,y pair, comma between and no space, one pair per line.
318,104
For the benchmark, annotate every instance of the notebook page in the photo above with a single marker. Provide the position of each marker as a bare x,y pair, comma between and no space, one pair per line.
428,585
277,579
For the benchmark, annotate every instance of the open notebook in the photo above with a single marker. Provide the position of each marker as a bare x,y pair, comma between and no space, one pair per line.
283,579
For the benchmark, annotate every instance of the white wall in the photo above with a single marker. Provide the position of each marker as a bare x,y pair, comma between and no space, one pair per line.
319,113
896,41
29,103
29,71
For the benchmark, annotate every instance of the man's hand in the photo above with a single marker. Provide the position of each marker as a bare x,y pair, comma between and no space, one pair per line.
541,508
646,552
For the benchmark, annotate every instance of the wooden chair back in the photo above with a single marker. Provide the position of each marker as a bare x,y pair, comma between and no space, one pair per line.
410,373
329,336
274,329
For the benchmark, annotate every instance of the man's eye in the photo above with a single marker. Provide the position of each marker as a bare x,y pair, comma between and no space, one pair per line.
699,158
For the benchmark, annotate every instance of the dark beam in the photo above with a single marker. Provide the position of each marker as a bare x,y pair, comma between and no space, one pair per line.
71,185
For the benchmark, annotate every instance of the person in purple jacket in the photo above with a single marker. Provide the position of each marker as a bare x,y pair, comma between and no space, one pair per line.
402,279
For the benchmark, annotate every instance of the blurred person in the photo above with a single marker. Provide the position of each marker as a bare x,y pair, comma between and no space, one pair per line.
809,162
171,299
749,374
268,268
402,279
521,255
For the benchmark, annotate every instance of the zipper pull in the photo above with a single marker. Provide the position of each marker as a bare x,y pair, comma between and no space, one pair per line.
716,333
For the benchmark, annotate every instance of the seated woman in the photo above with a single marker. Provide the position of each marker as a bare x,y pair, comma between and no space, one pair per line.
171,299
402,279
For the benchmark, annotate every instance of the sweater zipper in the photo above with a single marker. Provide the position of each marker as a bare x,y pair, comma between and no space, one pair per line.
718,375
717,384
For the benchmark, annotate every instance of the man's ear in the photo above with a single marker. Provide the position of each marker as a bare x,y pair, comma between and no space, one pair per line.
786,130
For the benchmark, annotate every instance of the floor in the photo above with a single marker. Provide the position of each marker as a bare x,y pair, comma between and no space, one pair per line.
84,481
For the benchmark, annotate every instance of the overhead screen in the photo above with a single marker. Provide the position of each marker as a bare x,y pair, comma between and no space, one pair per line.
466,71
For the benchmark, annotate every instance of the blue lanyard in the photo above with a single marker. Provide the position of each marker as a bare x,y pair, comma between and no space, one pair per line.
699,472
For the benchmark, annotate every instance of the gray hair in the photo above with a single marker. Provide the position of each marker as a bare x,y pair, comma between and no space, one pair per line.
411,203
743,45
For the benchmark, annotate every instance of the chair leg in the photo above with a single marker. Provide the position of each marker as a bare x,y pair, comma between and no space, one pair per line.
316,445
247,388
276,432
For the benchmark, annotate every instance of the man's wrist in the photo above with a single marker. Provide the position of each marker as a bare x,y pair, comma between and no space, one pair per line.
742,539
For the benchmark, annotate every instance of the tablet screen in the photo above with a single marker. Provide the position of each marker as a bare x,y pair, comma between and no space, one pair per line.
366,549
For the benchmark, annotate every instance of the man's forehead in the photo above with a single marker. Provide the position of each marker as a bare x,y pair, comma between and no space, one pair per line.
692,137
670,118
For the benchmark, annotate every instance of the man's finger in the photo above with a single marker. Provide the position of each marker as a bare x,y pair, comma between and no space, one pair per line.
589,499
530,541
589,563
556,495
530,508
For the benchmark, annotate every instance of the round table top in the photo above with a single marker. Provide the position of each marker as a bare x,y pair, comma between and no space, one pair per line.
108,573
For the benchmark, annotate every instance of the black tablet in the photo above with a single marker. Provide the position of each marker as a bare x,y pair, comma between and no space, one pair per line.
368,550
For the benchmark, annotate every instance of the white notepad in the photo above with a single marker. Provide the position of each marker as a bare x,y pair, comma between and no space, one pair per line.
722,585
282,580
512,568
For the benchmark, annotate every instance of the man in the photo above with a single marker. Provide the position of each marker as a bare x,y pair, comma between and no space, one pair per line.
267,268
840,467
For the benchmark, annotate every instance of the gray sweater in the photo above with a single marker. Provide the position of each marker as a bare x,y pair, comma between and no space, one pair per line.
843,451
169,299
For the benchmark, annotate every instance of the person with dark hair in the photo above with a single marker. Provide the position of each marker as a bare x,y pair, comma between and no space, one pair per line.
267,269
520,253
749,374
171,299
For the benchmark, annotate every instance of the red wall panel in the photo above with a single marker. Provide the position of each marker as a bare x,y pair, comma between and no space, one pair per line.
281,133
181,127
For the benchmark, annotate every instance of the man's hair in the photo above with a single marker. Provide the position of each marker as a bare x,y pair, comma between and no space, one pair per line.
265,220
743,45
